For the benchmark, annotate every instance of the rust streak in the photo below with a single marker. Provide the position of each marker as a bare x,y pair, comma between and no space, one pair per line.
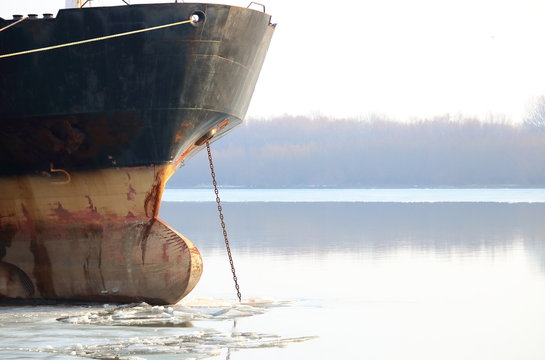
7,232
62,213
91,206
184,155
131,194
144,238
165,253
42,263
7,215
153,198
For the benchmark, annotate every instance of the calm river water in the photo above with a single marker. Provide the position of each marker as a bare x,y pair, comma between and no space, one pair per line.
415,279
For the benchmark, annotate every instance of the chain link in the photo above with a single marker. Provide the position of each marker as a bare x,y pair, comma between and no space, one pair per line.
220,211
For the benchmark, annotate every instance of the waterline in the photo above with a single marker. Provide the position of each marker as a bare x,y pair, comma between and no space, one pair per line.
359,195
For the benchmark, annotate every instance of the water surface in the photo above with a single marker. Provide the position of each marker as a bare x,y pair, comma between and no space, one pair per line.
323,280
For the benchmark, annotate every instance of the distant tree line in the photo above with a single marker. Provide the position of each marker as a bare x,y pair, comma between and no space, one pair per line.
298,151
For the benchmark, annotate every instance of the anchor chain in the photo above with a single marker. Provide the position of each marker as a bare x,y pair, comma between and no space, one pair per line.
220,211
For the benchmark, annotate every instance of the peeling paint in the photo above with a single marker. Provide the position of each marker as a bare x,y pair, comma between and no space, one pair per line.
131,193
61,213
91,206
42,263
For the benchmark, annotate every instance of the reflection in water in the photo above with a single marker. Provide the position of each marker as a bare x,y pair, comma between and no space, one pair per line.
382,281
379,228
228,356
351,281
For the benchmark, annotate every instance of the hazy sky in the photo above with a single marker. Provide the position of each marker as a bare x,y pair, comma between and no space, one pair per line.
400,58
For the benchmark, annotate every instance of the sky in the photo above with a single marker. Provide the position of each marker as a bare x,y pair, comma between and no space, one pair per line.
401,59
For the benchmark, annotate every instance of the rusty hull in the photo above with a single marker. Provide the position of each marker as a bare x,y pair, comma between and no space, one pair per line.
95,238
90,134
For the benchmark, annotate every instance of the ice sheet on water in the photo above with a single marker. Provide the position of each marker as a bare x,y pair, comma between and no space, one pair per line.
183,341
197,344
180,314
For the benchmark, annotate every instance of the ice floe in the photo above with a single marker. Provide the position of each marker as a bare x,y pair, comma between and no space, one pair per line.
187,341
198,344
143,314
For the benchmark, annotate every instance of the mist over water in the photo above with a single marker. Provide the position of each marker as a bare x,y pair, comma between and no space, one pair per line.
444,152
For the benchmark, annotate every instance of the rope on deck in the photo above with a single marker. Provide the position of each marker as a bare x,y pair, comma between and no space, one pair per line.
95,39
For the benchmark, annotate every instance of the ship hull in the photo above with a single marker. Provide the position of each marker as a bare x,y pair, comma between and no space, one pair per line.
130,101
93,236
90,134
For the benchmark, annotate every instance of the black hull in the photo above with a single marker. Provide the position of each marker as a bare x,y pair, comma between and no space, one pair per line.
135,100
123,138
